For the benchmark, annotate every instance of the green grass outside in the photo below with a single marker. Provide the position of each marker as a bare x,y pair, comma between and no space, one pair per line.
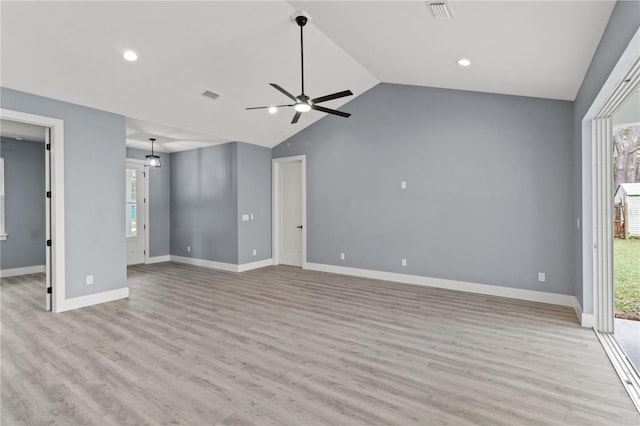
626,270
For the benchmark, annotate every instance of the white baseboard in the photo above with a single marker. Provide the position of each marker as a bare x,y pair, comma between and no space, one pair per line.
254,265
158,259
37,269
229,267
93,299
490,290
586,320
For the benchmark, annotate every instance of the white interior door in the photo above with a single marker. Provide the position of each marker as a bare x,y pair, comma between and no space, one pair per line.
47,201
290,250
135,199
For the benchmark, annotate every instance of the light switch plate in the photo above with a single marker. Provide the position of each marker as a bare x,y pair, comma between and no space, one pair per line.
404,262
403,184
245,217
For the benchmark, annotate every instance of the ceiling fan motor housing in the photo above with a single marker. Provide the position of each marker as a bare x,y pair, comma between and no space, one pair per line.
301,20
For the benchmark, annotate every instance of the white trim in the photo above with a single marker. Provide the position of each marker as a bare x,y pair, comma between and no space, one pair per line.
490,290
254,265
3,234
229,267
586,320
57,199
275,218
94,299
159,259
14,272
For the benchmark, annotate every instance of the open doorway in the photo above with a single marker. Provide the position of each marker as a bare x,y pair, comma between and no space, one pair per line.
626,227
53,292
25,212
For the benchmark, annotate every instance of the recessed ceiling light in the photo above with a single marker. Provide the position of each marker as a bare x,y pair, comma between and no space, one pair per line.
130,55
464,62
273,110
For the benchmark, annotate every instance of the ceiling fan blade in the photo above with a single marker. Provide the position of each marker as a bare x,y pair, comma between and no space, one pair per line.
277,106
296,117
284,92
332,96
330,111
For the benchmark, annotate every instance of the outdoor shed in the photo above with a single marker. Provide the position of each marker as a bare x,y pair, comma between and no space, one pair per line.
627,196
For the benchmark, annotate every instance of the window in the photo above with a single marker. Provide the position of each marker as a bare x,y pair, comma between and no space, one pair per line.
3,234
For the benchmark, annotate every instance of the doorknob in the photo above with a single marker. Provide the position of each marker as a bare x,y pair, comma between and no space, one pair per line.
299,226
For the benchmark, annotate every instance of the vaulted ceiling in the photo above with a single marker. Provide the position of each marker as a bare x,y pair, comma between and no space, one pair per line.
72,51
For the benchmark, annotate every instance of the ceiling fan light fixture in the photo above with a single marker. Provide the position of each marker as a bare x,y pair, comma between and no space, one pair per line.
152,160
302,107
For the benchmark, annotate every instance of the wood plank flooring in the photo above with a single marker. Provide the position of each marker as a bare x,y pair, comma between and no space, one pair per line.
280,345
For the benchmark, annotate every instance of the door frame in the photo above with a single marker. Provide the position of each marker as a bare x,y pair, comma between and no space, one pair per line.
146,206
276,176
57,267
597,198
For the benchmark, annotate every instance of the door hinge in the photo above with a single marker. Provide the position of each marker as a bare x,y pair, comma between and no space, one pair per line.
145,252
48,194
145,226
48,147
48,243
48,290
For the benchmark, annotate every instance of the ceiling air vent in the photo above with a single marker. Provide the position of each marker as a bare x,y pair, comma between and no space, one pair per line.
211,95
441,10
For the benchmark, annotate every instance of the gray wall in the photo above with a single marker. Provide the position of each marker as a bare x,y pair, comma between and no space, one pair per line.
254,196
489,178
204,206
159,223
94,190
622,26
24,186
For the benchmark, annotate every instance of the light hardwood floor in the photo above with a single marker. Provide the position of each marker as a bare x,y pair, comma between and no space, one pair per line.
281,345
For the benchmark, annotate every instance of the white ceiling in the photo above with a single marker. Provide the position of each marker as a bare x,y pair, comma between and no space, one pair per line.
73,51
21,131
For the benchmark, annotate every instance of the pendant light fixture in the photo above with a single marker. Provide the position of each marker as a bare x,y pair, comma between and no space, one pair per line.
152,160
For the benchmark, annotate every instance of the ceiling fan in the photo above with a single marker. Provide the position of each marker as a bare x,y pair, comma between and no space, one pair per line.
304,103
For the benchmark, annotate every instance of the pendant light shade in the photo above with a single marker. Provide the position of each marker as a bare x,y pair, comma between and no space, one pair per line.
152,160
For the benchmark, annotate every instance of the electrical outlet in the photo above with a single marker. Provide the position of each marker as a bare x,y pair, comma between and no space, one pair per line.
403,184
89,279
188,249
255,252
542,277
404,262
341,256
